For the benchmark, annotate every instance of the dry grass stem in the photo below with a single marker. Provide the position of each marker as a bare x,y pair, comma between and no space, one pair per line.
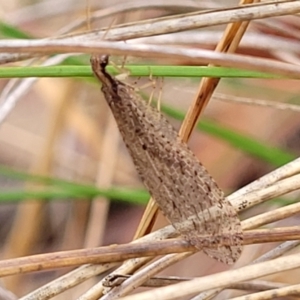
222,279
167,53
160,281
271,216
17,88
127,267
196,20
288,170
292,290
258,102
68,281
228,44
117,253
142,275
132,6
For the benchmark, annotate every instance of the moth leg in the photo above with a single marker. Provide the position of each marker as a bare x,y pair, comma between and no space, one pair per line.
160,93
123,72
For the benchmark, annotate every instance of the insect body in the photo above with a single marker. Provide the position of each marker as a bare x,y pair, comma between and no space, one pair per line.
183,189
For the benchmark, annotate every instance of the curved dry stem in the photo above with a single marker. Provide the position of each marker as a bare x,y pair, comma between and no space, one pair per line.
142,275
222,279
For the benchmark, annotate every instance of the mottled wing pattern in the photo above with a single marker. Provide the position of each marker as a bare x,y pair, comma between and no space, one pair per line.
183,189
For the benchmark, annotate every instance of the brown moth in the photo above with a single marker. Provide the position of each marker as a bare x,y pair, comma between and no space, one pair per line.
183,189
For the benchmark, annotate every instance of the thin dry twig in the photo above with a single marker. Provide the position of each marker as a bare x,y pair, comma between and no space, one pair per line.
288,170
281,187
68,281
257,102
191,56
228,44
196,20
116,253
17,88
142,275
272,216
160,281
222,279
128,6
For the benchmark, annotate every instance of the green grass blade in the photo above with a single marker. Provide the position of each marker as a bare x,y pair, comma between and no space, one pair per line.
58,188
9,31
138,71
130,196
